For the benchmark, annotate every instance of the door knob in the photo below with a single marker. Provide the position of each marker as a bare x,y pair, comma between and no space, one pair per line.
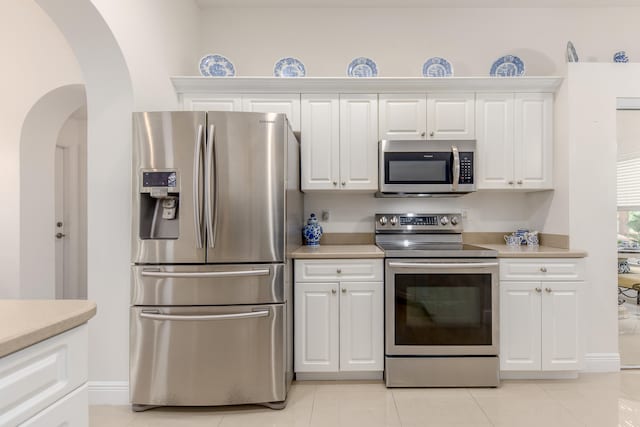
333,291
543,269
538,290
431,134
335,182
60,235
520,181
548,290
339,271
344,290
344,183
59,224
423,134
510,183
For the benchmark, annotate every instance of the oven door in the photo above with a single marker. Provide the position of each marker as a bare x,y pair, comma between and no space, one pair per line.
441,307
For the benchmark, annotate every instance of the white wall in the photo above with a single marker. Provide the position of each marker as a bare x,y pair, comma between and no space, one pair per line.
36,62
400,39
628,136
593,89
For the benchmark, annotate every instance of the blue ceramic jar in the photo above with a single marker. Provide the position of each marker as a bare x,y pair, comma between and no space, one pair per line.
312,231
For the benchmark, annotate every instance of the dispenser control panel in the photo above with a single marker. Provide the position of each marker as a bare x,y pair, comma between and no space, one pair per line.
159,179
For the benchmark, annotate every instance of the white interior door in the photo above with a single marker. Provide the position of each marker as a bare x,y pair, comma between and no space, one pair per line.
58,232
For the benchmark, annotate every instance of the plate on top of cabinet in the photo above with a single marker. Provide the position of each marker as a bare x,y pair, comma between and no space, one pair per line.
289,67
507,66
362,67
437,67
216,66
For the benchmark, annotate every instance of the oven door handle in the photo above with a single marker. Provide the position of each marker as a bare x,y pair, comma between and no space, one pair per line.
443,264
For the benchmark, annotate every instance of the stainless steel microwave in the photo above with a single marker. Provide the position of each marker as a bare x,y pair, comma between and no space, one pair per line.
424,168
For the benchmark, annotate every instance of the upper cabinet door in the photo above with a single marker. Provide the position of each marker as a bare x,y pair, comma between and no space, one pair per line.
451,116
288,103
533,140
320,142
494,118
212,103
359,142
403,116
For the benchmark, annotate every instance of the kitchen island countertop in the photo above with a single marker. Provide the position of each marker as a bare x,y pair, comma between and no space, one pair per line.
26,322
337,251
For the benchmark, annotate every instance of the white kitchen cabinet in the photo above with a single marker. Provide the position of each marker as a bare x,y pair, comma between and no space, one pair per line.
339,143
192,102
338,324
427,116
540,317
46,378
288,104
514,141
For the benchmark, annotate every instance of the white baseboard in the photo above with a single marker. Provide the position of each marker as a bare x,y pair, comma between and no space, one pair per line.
538,375
602,362
336,376
109,393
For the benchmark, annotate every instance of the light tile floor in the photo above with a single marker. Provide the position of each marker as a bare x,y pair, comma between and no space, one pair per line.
598,400
629,332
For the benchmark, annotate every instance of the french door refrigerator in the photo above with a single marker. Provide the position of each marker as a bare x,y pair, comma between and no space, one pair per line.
216,209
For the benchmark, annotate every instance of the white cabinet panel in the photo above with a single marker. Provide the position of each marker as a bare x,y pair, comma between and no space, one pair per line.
212,103
561,342
361,327
288,104
403,116
520,331
451,116
320,142
70,411
542,269
359,142
494,120
532,141
339,270
316,327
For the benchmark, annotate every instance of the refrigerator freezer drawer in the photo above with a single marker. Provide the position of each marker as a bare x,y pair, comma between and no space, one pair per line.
175,285
201,356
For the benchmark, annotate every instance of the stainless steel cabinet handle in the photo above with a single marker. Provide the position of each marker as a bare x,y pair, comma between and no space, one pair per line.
456,167
423,134
344,183
538,290
443,265
344,290
543,269
335,182
519,181
432,134
60,235
197,159
205,274
333,291
510,183
339,271
182,317
548,290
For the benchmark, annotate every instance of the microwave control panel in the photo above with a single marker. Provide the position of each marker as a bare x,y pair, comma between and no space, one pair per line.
466,168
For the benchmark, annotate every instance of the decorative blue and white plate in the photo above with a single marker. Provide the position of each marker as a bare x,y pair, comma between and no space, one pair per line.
289,67
217,66
507,66
437,67
362,67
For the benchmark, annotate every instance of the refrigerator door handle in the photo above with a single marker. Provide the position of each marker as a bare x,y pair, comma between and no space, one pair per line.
211,190
206,274
197,159
155,315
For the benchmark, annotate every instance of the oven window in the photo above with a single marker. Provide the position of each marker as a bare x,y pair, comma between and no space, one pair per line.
443,309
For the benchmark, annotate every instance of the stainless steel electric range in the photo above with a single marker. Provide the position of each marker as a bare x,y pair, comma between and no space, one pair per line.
441,303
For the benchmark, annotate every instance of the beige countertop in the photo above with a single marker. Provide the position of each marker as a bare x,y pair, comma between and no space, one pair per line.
337,251
525,251
26,322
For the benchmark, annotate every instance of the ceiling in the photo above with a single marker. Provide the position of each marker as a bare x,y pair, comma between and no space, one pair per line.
419,3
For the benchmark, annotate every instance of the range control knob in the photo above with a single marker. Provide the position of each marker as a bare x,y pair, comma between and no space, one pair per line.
444,220
383,220
393,220
454,220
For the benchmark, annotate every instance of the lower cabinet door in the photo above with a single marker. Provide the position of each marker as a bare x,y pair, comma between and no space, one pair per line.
70,411
520,331
561,336
316,327
207,355
361,327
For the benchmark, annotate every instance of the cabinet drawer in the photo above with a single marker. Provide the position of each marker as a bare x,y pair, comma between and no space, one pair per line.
70,411
36,377
338,270
542,269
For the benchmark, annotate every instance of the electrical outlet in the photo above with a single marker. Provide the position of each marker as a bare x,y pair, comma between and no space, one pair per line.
325,215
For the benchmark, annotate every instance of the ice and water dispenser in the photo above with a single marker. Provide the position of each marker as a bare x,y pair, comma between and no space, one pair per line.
159,204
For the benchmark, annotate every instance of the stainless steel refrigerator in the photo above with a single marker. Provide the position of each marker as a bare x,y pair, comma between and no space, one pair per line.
217,209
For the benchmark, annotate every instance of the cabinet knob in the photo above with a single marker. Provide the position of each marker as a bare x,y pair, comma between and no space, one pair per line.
344,290
335,183
548,290
423,134
344,183
510,183
431,134
538,290
543,269
339,271
519,182
333,291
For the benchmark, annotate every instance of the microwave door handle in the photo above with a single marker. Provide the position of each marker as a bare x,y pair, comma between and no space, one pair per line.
456,168
209,189
197,160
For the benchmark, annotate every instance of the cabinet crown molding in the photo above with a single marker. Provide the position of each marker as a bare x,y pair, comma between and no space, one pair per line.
197,84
